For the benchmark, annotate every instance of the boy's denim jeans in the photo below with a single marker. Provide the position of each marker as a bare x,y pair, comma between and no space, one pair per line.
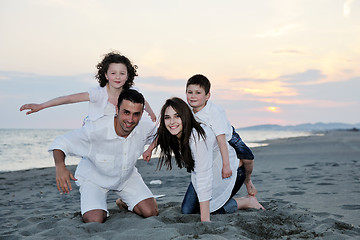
242,151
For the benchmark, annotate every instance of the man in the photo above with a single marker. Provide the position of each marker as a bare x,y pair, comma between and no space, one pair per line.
109,147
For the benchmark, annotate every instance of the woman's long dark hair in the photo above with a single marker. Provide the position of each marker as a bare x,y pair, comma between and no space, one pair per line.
170,143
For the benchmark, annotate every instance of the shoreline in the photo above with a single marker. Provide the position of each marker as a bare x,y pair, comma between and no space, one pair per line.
30,150
309,186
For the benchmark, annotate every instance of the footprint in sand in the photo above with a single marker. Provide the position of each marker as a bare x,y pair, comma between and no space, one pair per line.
351,207
291,168
325,184
296,193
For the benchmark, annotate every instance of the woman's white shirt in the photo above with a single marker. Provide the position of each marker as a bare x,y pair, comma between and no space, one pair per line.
207,175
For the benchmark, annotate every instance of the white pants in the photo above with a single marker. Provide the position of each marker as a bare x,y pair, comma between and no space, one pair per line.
94,197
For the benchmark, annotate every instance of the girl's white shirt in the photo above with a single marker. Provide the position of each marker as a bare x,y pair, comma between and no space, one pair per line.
98,105
206,177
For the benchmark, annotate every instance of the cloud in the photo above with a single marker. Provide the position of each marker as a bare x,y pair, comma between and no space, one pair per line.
161,86
161,81
284,101
262,88
311,75
44,86
287,51
259,80
347,8
277,31
11,75
345,91
302,90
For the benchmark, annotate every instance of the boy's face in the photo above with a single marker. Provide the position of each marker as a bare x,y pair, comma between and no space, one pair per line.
196,97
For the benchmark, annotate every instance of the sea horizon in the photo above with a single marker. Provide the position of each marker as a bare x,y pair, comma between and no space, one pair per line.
22,149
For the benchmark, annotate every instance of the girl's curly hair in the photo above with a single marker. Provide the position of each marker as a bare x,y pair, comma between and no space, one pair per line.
115,57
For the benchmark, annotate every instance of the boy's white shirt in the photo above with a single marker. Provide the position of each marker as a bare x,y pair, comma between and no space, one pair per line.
214,117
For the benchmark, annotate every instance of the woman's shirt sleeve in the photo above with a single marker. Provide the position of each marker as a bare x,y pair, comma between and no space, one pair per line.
202,176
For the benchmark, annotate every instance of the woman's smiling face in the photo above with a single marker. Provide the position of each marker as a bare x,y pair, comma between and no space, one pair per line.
173,122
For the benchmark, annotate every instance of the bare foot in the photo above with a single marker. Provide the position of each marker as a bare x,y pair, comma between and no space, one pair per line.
248,202
251,188
121,204
255,204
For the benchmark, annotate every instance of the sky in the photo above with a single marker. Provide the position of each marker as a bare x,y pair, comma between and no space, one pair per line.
269,61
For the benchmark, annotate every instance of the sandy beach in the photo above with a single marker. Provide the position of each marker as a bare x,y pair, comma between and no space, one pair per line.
310,187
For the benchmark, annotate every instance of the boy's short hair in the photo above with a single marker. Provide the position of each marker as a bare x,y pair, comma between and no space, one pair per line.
200,80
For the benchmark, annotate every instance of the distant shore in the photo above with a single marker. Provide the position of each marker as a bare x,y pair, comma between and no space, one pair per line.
309,186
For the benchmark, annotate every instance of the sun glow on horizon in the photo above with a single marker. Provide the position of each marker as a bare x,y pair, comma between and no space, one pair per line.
273,109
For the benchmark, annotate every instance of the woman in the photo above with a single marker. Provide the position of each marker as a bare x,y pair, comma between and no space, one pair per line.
195,148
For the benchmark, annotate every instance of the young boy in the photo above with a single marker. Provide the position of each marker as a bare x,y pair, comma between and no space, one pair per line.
197,95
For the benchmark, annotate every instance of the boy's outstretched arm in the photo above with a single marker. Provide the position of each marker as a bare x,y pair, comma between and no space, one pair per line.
149,110
221,140
73,98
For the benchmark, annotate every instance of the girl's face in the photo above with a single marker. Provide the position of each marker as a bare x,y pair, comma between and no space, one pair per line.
117,75
173,122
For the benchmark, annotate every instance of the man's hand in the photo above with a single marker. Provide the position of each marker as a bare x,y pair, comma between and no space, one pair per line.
63,176
226,171
250,188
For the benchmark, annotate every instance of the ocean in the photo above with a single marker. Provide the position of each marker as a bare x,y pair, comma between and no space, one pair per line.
22,149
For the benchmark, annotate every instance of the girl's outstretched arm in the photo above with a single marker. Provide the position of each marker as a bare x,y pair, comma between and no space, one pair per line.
149,110
73,98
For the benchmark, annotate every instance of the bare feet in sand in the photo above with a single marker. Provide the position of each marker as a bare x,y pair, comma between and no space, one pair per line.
248,202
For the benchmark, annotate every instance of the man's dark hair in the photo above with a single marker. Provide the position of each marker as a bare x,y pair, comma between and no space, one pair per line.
132,96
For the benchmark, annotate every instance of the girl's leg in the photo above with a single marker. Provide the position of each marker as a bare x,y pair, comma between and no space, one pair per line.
190,204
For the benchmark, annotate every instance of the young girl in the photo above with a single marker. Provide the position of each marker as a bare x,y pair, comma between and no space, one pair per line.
195,148
115,73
